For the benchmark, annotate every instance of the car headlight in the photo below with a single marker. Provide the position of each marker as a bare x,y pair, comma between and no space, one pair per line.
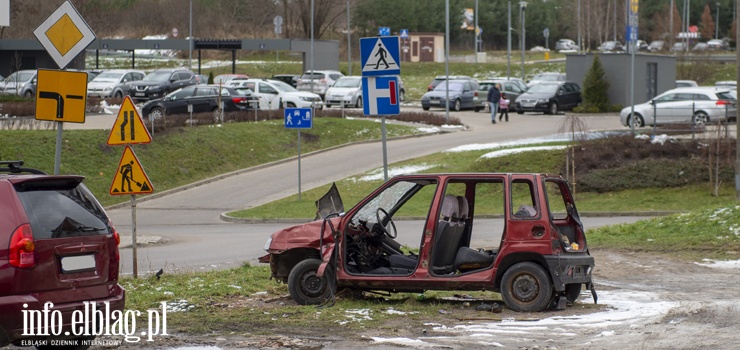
543,100
107,88
267,244
307,99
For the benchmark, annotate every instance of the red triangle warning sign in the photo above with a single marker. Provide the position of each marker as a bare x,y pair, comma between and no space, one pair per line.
129,127
130,176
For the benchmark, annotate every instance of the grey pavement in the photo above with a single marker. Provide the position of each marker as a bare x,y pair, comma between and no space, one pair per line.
204,203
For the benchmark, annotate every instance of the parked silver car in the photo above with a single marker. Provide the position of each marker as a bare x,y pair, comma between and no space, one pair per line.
346,91
462,95
318,81
697,105
566,45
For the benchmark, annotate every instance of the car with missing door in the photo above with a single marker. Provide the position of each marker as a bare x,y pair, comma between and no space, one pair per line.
57,245
531,247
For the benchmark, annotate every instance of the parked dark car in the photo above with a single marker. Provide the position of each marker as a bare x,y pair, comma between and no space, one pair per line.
203,98
549,98
290,79
537,259
463,94
160,83
57,245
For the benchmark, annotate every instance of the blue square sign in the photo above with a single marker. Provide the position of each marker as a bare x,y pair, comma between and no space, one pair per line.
298,118
380,95
380,56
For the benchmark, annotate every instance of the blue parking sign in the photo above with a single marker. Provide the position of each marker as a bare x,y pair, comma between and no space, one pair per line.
298,118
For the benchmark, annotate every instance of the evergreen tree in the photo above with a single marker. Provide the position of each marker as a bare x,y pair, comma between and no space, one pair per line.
595,87
210,78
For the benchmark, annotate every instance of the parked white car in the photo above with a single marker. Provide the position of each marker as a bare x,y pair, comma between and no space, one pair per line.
274,94
347,92
697,105
105,84
21,83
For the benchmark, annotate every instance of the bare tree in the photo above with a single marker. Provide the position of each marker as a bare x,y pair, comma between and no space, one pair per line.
297,13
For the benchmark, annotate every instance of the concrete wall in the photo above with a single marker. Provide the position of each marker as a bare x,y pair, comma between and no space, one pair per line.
617,69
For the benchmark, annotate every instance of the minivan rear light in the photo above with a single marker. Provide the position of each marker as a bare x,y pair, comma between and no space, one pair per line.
22,247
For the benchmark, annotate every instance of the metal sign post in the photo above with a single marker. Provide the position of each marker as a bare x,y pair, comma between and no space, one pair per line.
298,118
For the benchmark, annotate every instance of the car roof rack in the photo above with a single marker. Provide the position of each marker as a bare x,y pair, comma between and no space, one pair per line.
16,167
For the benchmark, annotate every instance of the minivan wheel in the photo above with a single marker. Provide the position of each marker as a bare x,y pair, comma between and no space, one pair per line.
308,289
359,102
526,287
402,95
700,119
28,94
553,108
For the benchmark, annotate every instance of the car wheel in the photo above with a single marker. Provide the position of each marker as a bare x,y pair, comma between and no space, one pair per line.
477,109
519,111
290,104
639,122
28,94
700,119
359,102
553,108
458,105
308,289
156,113
526,287
425,108
572,292
402,95
118,94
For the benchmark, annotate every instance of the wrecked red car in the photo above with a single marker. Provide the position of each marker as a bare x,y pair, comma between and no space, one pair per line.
516,234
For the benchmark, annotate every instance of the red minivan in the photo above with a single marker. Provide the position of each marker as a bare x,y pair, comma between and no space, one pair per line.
516,234
57,246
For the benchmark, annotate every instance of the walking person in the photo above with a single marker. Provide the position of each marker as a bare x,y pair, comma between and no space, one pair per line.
503,108
494,96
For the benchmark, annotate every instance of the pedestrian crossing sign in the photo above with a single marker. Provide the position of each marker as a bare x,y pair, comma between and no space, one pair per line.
380,56
130,177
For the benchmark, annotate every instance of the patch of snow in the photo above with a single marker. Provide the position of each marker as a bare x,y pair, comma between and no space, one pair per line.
377,174
720,264
506,152
534,140
404,341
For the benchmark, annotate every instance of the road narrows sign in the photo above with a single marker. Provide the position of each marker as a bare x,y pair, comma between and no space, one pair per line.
61,96
130,176
64,34
129,127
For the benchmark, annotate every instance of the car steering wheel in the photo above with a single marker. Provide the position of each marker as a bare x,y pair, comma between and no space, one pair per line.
384,228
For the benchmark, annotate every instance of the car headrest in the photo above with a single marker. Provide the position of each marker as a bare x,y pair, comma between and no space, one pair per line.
450,208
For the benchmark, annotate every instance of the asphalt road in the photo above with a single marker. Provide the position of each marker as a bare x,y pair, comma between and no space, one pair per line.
189,219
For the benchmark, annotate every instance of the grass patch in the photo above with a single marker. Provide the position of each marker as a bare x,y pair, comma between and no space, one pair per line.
712,233
184,154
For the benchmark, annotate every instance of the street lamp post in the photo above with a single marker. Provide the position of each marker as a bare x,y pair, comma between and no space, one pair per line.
716,24
349,42
508,45
523,7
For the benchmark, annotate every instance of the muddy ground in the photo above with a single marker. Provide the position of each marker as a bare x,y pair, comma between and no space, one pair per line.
646,301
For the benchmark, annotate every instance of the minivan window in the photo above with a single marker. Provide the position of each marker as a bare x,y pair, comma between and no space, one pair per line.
60,212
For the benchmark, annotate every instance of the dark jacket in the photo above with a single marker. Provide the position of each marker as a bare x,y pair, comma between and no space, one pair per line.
494,95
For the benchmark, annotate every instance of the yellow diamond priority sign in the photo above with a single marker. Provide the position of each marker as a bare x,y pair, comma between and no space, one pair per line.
130,176
129,127
64,34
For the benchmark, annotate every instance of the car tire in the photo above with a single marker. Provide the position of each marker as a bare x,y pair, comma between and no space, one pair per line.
402,95
290,104
457,106
29,94
639,122
155,113
477,109
552,108
425,108
519,111
700,119
118,94
308,289
572,292
526,287
359,103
